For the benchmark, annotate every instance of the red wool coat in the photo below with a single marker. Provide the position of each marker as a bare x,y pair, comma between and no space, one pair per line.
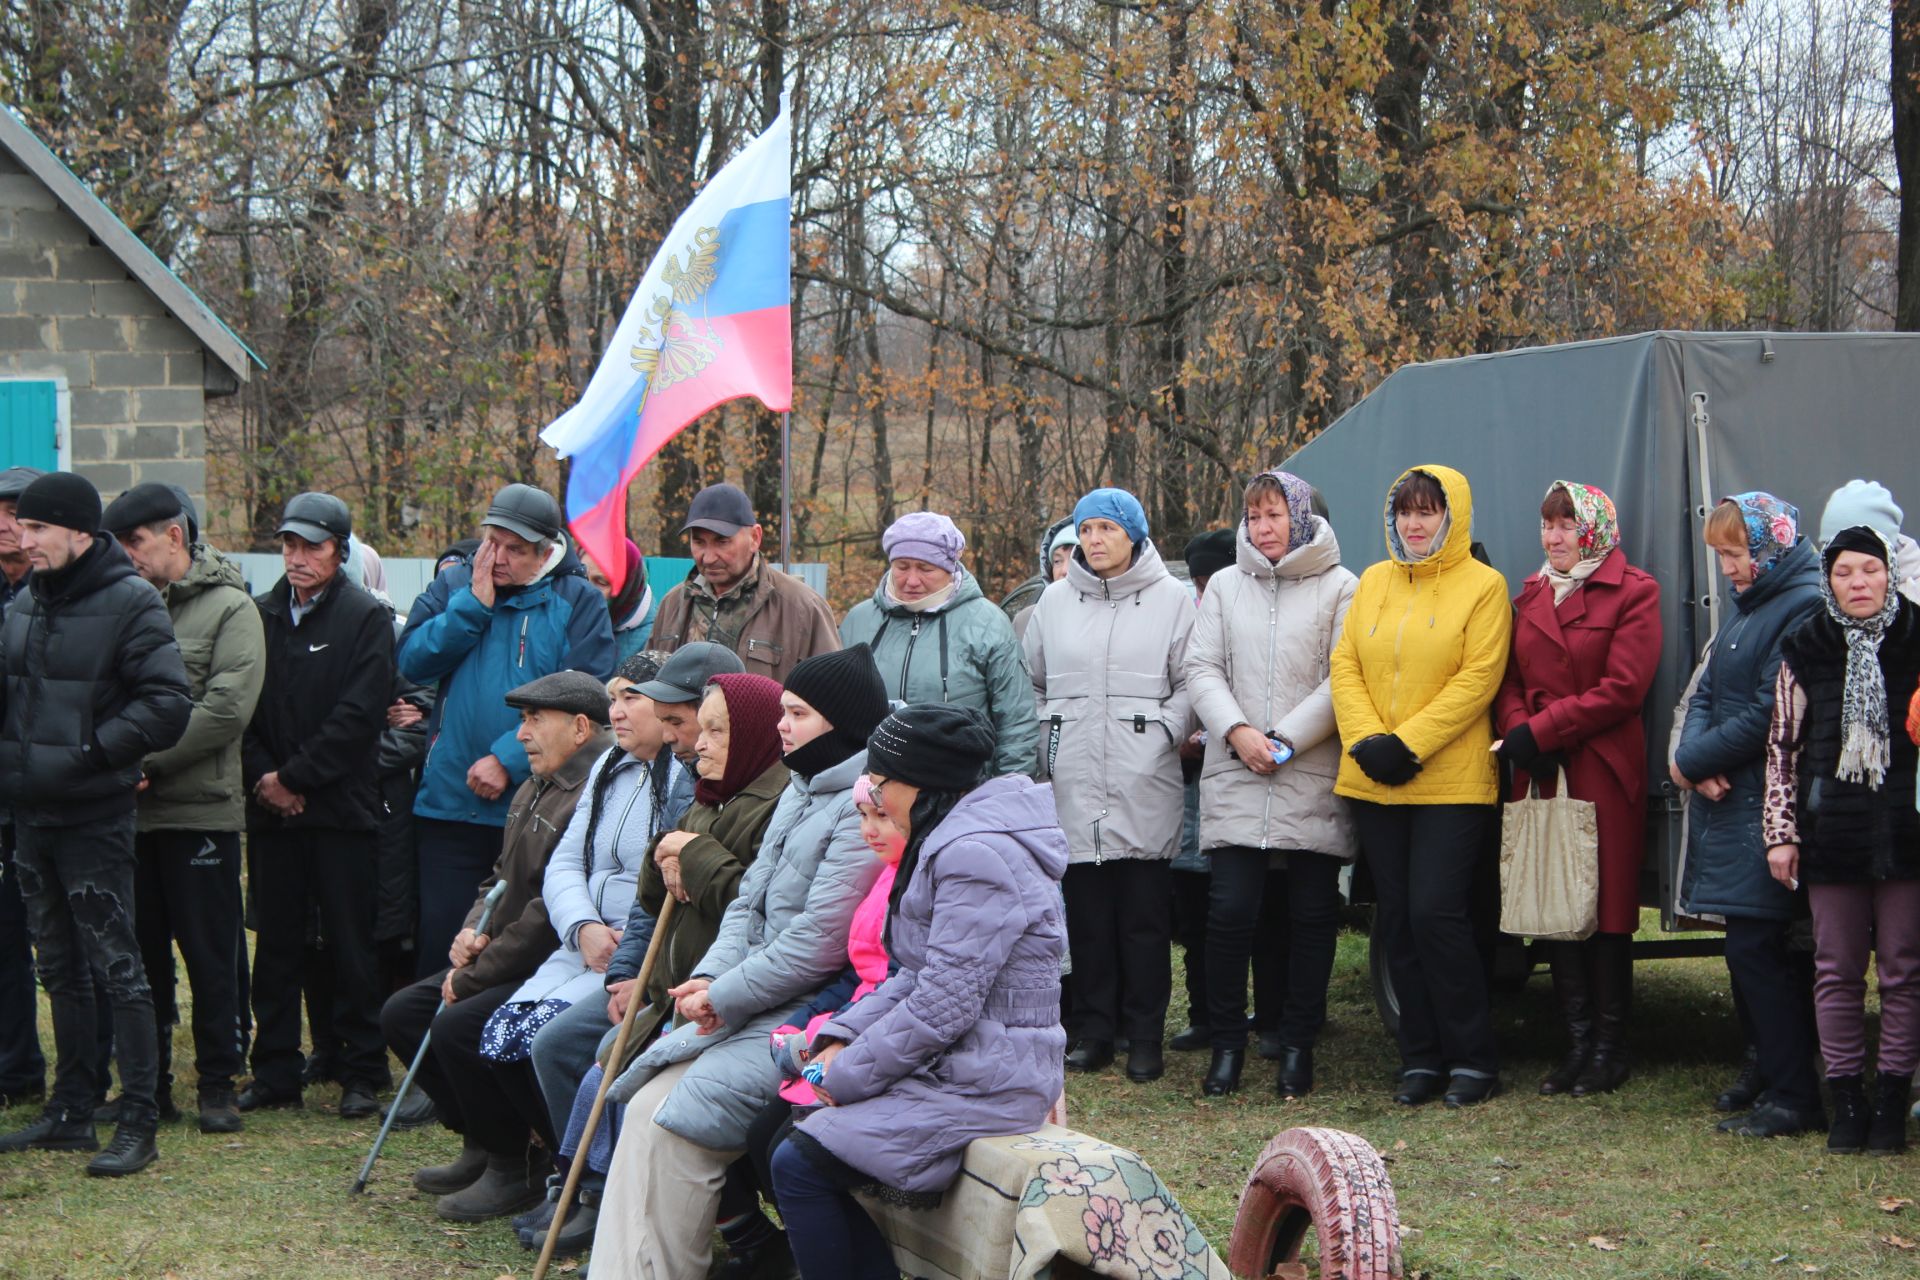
1578,675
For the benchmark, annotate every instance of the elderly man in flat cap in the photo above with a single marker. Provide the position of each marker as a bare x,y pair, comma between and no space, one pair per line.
564,721
193,803
310,761
522,609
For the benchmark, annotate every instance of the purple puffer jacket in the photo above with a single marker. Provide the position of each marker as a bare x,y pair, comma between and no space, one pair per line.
964,1040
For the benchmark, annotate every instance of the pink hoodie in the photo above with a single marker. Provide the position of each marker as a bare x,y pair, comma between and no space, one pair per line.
867,954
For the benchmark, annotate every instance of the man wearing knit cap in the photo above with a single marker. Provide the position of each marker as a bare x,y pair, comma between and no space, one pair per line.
937,638
93,684
564,728
23,1067
734,598
192,799
1107,649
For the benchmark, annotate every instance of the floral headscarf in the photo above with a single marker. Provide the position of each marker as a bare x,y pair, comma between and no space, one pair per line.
1773,527
1599,530
1302,524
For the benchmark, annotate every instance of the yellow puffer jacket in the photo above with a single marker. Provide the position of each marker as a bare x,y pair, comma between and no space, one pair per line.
1421,656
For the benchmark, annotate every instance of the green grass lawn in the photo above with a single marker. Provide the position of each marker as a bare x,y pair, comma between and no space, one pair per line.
1634,1185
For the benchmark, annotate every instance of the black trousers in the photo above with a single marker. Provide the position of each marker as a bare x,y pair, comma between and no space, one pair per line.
1285,922
186,890
493,1103
453,859
291,873
1775,984
1423,858
1190,890
23,1067
77,883
1120,927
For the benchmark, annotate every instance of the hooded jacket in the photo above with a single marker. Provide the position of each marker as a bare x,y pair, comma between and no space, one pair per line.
1108,658
1727,722
322,708
93,683
782,939
196,784
964,1040
477,655
1260,655
1421,656
963,652
519,936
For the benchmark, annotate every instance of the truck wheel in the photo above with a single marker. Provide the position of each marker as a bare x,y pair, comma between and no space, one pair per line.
1385,1000
1323,1179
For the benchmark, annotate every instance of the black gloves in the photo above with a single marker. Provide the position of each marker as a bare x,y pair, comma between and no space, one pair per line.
1521,750
1385,759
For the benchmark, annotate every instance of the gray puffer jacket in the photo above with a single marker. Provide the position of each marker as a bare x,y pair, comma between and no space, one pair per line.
1109,664
1259,656
781,940
964,652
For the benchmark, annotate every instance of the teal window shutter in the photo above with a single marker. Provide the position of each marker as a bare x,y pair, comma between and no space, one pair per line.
29,424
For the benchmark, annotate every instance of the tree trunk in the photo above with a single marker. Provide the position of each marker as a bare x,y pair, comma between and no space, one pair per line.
1906,157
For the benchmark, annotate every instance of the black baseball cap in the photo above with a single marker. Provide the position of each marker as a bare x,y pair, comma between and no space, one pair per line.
684,676
532,513
317,517
720,508
14,482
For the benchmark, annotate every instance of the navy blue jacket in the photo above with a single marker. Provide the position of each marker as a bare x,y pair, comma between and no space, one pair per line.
1726,734
478,655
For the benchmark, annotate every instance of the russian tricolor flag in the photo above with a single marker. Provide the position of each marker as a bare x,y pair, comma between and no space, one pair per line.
710,322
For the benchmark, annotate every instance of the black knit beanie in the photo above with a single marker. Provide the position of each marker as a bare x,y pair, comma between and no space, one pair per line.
1858,538
845,687
61,498
935,746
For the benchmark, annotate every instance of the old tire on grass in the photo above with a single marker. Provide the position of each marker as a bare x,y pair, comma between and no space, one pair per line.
1328,1181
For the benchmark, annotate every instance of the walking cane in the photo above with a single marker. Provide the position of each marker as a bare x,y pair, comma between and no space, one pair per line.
400,1095
614,1057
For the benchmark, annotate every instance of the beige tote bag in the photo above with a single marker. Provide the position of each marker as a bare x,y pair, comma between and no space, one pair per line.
1550,866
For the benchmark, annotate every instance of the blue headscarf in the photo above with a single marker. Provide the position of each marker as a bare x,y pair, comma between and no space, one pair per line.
1773,527
1116,505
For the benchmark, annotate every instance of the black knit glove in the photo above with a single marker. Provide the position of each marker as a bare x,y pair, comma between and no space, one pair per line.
1385,759
1519,748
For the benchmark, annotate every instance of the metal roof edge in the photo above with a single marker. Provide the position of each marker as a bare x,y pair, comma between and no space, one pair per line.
132,252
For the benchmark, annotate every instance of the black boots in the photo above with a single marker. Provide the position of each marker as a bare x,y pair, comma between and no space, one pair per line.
1851,1115
1610,981
1223,1073
1090,1055
508,1184
219,1112
1470,1091
1746,1088
1295,1078
1574,995
463,1172
1145,1062
53,1131
1888,1133
130,1151
1197,1036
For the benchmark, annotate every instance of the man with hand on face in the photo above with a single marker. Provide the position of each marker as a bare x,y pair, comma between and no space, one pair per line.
563,727
93,683
735,599
192,801
310,759
522,609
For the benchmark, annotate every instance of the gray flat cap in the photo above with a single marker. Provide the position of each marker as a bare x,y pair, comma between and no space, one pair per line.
532,513
14,482
574,692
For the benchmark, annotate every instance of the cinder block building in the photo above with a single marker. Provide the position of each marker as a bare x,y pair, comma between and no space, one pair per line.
106,358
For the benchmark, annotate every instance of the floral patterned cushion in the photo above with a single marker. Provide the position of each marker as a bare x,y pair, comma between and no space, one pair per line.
1022,1203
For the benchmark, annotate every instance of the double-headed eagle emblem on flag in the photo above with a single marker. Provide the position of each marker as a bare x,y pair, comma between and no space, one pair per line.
673,344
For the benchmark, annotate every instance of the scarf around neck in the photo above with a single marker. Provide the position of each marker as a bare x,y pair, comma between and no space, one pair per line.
928,603
1865,751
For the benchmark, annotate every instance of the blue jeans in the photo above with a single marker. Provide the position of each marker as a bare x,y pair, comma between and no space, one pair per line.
830,1234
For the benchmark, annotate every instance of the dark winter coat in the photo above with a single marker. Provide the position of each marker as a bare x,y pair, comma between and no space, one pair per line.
477,655
323,708
94,683
402,751
964,1040
1578,677
1851,833
1726,735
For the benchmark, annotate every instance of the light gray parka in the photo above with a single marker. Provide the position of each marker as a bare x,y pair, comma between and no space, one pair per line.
1109,664
1259,656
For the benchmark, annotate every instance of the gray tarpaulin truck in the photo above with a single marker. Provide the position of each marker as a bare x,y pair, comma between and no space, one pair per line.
1666,423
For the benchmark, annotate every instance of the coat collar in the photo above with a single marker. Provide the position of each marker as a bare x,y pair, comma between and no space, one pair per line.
1537,604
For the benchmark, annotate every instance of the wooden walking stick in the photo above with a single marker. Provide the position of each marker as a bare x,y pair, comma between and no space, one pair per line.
614,1057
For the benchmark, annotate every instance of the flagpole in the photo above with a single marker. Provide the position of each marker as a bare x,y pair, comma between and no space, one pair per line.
786,493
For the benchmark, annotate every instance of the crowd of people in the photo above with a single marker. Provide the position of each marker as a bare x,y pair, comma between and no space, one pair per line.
898,876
